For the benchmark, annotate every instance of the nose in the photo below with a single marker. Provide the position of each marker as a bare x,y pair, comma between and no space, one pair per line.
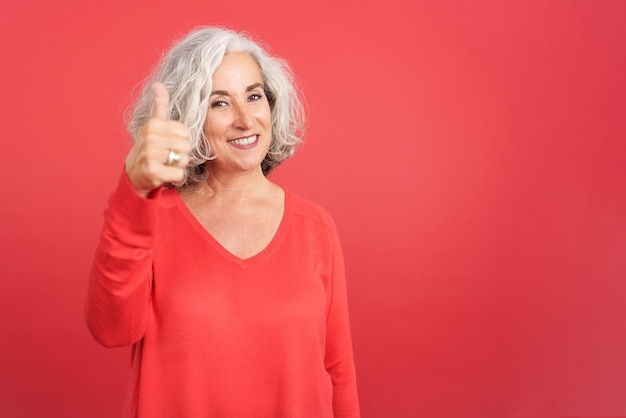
243,119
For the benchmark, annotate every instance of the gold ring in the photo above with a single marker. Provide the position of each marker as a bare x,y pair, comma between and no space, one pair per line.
172,158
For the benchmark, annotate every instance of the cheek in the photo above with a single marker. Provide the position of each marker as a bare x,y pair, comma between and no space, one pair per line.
267,125
213,128
266,117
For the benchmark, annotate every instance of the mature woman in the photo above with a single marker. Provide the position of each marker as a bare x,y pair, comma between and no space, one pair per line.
230,289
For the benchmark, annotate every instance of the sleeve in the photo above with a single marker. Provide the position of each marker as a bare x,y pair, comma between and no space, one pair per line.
339,360
120,280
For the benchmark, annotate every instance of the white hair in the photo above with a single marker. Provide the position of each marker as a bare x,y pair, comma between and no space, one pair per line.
187,71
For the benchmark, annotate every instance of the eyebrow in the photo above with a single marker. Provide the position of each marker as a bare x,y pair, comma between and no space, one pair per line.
250,87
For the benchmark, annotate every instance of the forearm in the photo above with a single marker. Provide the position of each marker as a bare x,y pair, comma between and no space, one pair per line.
120,280
118,295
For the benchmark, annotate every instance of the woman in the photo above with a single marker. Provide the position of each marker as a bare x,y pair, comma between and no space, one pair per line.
230,289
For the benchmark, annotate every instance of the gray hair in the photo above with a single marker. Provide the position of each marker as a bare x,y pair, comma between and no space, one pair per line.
187,70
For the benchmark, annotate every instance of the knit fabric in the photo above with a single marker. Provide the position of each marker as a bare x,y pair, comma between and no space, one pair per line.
213,335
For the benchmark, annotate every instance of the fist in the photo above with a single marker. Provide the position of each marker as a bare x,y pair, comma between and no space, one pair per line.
161,150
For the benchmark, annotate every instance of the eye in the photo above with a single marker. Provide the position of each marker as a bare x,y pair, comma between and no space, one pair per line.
218,103
255,96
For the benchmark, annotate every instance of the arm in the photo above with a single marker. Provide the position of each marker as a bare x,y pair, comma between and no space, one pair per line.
339,359
120,280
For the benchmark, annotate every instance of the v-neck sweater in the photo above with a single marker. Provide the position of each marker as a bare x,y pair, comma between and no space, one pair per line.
214,335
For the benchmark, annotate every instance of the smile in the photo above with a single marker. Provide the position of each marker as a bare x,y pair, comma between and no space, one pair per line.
244,141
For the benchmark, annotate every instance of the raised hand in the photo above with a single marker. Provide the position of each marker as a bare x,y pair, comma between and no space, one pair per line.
161,150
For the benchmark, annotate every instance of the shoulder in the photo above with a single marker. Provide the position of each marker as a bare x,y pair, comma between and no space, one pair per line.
305,210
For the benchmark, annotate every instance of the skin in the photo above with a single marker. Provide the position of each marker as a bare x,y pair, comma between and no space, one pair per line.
238,108
145,163
237,205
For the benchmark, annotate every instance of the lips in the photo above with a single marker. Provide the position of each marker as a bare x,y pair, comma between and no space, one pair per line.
244,142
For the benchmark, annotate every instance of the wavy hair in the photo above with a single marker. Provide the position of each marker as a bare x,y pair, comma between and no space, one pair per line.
187,71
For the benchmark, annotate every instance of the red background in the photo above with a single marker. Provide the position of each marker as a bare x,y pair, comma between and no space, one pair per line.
472,154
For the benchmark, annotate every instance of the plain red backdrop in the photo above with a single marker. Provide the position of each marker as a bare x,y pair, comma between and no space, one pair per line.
472,154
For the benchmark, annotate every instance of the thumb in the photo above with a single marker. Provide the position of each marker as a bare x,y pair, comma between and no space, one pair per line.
161,103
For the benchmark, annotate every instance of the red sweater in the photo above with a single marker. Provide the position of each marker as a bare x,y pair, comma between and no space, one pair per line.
217,336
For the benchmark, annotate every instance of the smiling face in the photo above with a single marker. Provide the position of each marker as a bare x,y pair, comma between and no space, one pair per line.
239,121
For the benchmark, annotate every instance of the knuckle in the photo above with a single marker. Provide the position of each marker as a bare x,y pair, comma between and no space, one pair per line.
151,169
152,127
153,154
180,175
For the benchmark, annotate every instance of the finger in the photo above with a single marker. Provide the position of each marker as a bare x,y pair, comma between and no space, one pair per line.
161,102
155,147
180,159
172,174
181,145
162,130
154,174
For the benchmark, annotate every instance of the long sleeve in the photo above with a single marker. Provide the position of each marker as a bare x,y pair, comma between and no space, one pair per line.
267,336
339,360
120,280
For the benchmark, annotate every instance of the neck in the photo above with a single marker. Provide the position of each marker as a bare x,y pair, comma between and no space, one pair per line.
241,185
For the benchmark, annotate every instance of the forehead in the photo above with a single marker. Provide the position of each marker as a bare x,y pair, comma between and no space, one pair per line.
237,68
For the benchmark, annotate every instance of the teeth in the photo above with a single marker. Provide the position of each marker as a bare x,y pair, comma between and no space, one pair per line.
244,141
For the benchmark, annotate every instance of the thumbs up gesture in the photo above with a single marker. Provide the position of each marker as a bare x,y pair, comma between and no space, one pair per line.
161,150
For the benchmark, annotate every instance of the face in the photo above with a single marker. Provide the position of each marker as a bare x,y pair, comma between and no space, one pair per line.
238,124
